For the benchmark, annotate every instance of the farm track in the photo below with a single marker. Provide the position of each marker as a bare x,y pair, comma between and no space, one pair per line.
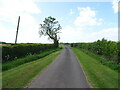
64,72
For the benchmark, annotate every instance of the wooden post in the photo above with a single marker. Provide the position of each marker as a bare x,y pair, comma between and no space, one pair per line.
17,30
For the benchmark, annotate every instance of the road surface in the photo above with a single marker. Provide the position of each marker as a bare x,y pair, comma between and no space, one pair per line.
64,72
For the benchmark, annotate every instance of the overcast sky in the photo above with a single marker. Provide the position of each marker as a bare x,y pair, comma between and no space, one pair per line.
80,21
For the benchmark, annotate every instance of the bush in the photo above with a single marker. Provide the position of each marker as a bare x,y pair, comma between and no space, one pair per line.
20,50
108,49
29,58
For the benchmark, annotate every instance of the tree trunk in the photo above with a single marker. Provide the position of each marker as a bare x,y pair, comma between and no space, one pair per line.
56,44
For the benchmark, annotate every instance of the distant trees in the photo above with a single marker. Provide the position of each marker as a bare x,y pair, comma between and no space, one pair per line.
2,42
51,28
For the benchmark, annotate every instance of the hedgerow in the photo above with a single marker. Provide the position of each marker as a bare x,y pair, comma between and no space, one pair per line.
29,58
12,52
108,49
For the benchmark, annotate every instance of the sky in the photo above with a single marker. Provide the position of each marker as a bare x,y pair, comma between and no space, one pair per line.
80,21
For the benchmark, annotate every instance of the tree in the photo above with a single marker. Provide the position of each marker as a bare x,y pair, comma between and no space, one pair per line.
51,28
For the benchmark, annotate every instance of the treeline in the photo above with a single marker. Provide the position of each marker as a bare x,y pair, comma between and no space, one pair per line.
12,52
107,49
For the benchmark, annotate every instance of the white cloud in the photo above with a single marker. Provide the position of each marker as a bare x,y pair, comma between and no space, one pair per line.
70,34
6,35
28,30
115,6
87,17
108,33
19,6
11,9
71,11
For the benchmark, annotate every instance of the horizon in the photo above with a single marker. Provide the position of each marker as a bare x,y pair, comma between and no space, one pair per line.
2,42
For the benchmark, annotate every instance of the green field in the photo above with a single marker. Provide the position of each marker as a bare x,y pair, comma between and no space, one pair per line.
98,75
20,76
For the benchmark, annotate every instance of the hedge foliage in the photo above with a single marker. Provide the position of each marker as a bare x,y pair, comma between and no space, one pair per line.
29,58
107,49
11,52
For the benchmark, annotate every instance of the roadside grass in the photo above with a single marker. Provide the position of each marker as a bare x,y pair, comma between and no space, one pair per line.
20,76
109,63
17,62
98,75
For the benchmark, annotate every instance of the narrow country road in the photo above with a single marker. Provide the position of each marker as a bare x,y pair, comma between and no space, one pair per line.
64,72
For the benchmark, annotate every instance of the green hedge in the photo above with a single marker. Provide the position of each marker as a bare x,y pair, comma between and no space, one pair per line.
107,49
29,58
12,52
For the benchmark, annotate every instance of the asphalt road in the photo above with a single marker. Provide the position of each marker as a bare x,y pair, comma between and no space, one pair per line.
64,72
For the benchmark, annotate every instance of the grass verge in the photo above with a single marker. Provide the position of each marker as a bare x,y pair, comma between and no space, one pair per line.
109,63
99,75
20,76
17,62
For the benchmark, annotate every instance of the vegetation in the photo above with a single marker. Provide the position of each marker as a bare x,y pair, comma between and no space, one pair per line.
51,28
108,50
13,52
17,62
20,76
97,74
2,42
109,63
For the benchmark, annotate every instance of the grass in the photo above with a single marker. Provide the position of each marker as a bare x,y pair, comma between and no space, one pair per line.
20,76
109,63
99,75
17,62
